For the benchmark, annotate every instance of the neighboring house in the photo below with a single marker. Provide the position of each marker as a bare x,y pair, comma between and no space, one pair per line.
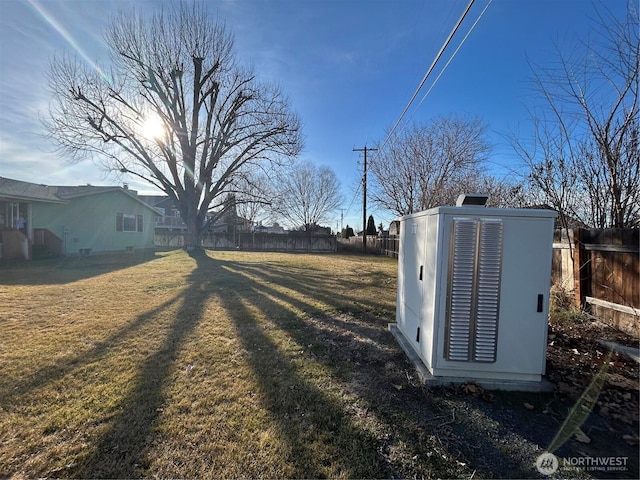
168,219
66,220
275,228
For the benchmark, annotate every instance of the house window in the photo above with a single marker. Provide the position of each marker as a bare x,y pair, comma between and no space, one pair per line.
126,222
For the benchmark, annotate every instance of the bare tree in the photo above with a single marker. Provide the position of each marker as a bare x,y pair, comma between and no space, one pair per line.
584,157
254,196
174,109
306,195
501,192
552,175
426,166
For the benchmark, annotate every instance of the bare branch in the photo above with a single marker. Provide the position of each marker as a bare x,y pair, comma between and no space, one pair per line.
306,195
179,66
584,157
428,165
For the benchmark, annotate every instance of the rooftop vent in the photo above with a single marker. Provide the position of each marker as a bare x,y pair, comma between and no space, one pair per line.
472,199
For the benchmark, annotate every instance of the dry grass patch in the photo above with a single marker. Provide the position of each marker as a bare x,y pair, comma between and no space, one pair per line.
185,367
239,365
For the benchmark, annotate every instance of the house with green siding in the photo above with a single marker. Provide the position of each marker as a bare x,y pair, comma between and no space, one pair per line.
72,220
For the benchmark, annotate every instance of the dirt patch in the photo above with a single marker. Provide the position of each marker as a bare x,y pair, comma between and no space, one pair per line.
576,356
465,430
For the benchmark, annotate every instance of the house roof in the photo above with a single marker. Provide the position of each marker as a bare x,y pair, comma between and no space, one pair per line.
68,193
19,190
157,201
16,189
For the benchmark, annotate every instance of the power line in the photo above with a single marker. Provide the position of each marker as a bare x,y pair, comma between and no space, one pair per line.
417,91
354,198
424,79
453,55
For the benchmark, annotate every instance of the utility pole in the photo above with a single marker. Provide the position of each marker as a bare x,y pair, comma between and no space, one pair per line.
364,195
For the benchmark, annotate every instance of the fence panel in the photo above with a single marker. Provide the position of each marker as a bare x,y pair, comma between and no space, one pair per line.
389,246
562,260
292,242
607,275
378,245
610,264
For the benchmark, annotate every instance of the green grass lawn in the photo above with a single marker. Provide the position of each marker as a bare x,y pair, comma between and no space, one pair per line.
225,365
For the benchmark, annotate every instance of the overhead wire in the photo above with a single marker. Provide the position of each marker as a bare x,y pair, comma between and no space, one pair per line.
452,57
426,75
354,198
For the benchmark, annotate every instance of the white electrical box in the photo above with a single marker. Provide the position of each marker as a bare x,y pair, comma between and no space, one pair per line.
473,290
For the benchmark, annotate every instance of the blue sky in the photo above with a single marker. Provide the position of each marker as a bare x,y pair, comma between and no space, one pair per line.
349,67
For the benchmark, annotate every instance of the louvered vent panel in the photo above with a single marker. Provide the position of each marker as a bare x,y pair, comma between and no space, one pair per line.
475,267
458,328
489,269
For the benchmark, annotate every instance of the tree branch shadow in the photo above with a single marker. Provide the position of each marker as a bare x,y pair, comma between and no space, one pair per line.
286,393
121,451
371,366
16,387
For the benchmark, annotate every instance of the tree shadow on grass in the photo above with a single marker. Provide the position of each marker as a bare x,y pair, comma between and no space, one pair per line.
59,271
14,388
403,430
358,355
427,428
323,439
121,452
313,284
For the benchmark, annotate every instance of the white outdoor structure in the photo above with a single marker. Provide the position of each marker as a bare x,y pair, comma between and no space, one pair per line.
473,291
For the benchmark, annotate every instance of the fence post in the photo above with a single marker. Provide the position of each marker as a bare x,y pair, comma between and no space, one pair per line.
581,267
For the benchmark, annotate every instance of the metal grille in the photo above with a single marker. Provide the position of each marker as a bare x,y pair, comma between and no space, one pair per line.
473,299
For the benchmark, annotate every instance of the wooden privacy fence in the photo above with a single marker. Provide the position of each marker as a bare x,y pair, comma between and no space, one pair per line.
606,270
601,268
271,242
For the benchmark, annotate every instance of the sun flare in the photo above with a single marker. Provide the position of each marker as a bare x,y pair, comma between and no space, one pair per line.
152,128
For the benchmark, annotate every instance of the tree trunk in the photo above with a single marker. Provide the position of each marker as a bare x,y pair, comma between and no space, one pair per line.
194,234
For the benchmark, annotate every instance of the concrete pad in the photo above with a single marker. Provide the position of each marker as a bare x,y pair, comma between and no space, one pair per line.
429,380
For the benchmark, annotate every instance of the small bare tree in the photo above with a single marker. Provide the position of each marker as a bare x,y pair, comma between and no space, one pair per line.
584,157
174,109
306,195
429,165
254,196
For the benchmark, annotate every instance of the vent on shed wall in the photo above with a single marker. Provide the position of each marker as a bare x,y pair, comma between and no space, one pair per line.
475,265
